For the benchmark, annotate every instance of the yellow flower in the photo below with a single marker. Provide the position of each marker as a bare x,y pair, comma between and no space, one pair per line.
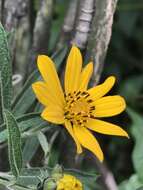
79,108
69,182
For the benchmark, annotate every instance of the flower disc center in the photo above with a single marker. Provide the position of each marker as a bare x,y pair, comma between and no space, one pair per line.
78,107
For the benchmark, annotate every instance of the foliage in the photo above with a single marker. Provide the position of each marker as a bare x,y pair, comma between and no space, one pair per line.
36,146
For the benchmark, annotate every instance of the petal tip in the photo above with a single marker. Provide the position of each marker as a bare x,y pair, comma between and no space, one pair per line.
101,158
75,48
42,114
112,79
123,133
90,64
39,60
126,135
40,57
79,151
123,102
34,86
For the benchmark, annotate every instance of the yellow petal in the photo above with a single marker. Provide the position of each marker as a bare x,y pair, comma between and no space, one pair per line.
88,141
54,114
85,76
105,128
42,93
102,89
69,128
73,70
49,74
109,106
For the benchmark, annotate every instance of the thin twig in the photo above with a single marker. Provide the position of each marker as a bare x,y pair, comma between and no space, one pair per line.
100,34
107,178
83,23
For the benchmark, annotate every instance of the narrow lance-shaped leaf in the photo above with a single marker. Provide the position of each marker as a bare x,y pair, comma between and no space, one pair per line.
1,101
27,123
29,150
5,68
43,142
14,143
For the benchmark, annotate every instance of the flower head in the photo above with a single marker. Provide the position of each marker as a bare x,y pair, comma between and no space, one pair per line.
79,108
58,180
69,182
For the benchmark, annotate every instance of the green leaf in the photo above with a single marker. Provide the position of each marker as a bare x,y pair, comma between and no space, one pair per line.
1,102
6,69
14,143
43,142
137,132
132,184
31,121
28,180
8,185
32,176
29,150
26,97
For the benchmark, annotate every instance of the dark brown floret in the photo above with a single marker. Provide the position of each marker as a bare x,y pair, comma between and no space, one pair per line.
89,101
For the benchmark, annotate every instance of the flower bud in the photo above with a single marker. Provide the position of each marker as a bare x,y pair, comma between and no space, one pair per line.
57,172
69,182
50,184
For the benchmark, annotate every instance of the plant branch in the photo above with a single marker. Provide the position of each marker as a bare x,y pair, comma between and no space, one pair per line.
41,31
68,25
100,34
14,10
97,46
83,23
107,178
